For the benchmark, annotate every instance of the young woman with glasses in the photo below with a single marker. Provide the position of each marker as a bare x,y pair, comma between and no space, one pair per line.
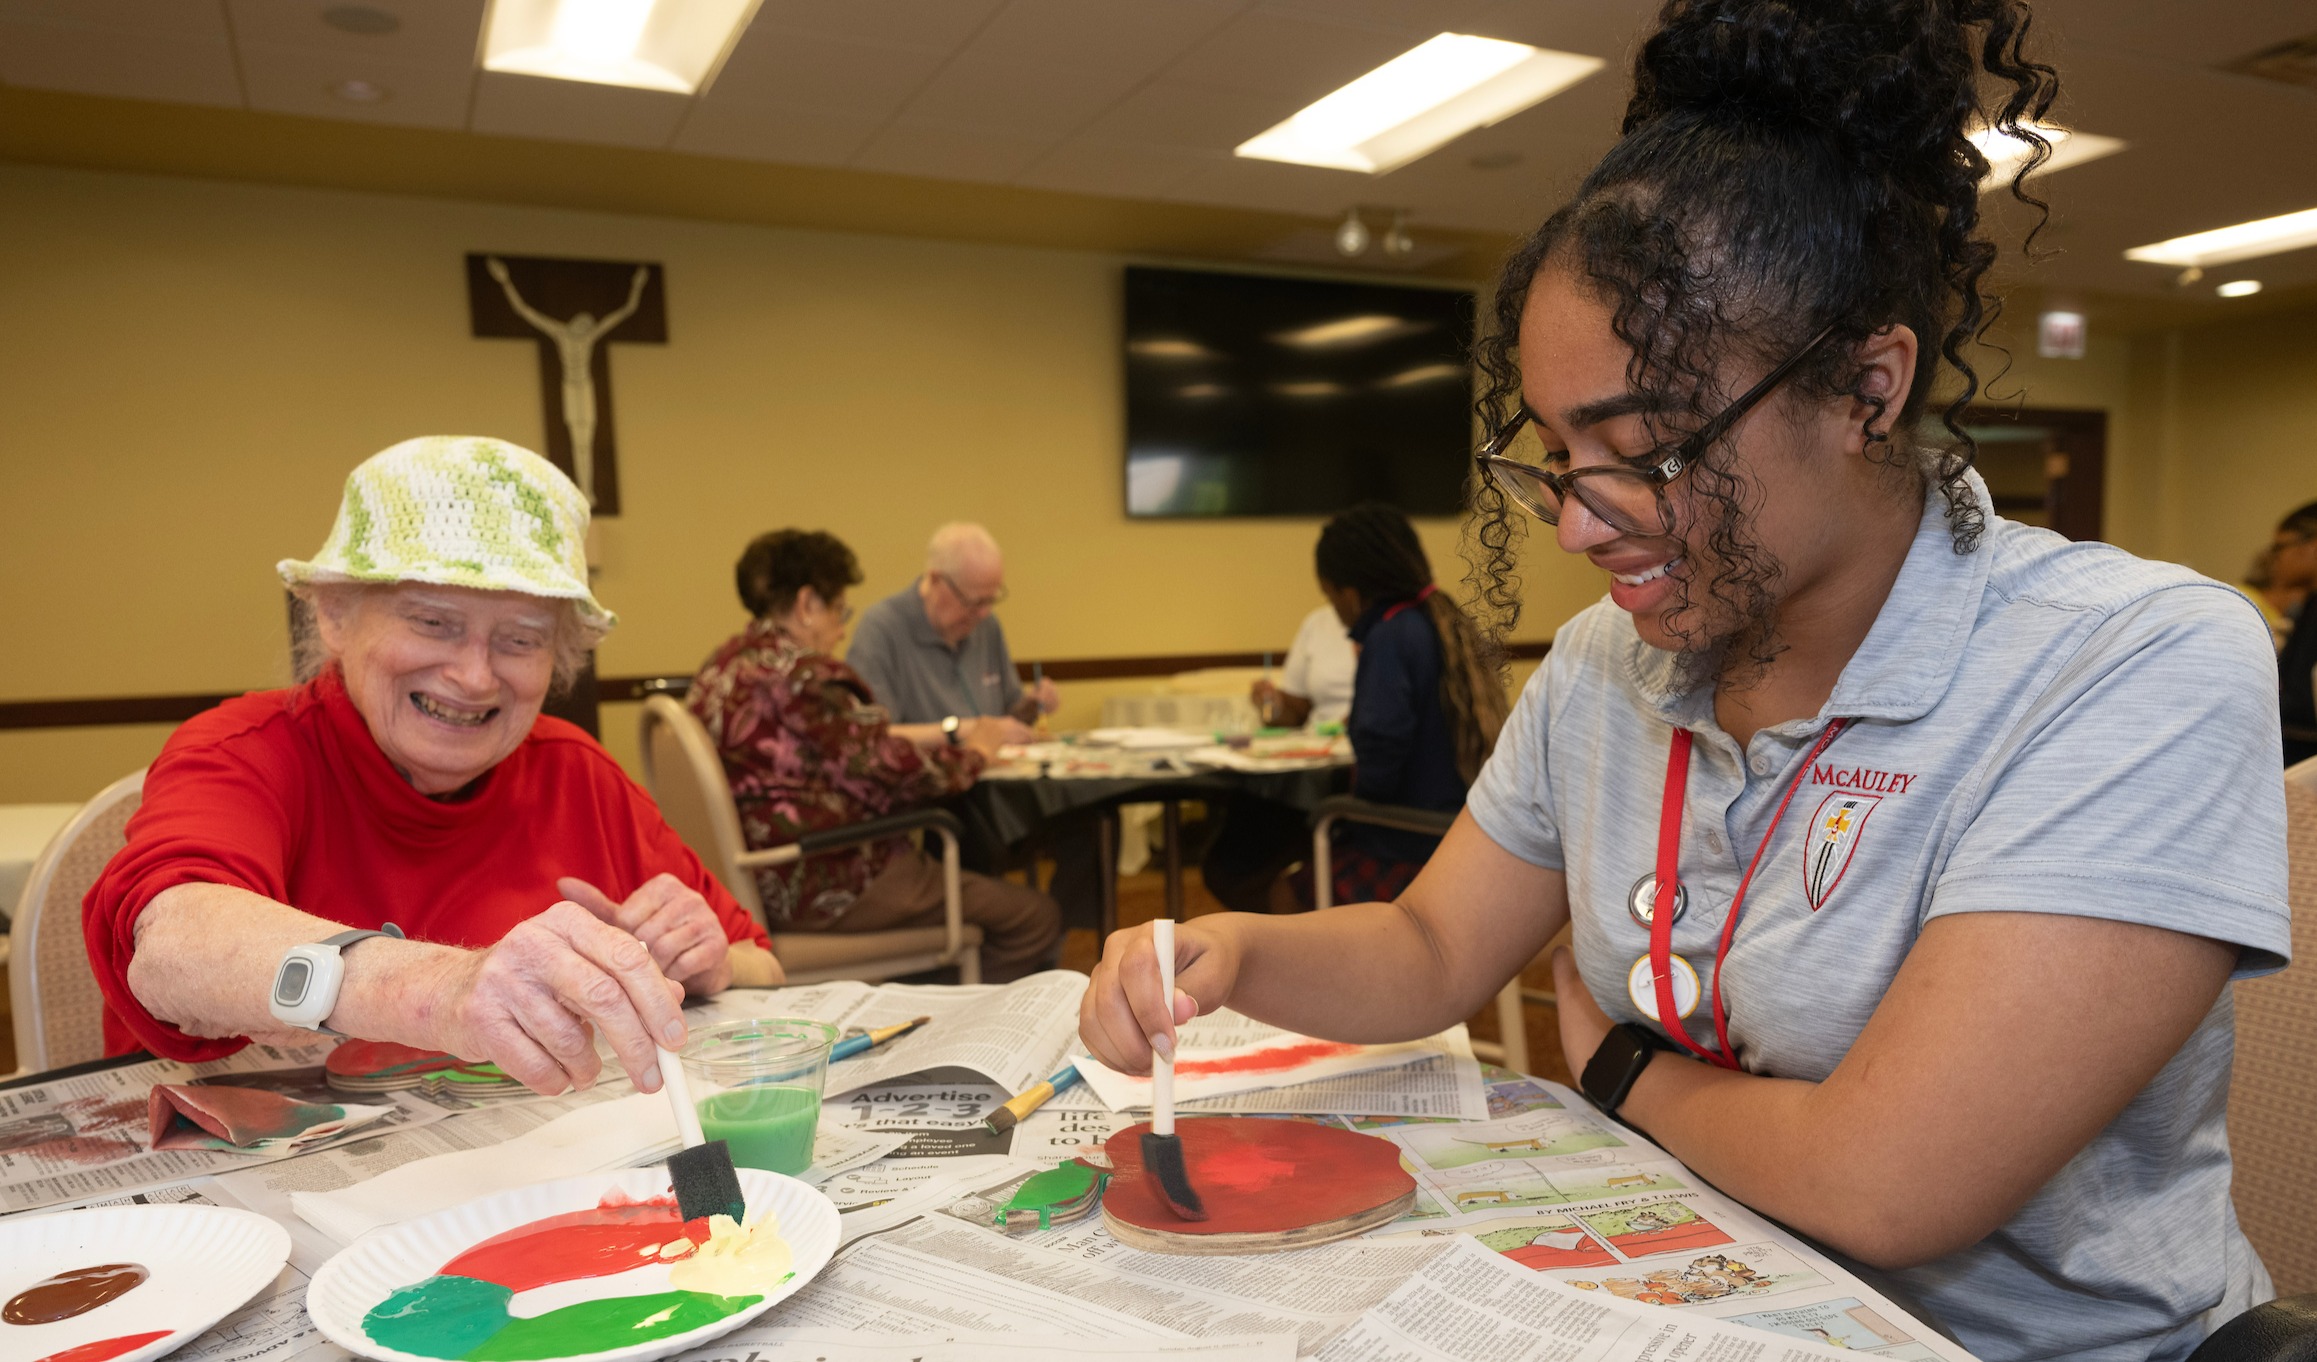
1907,851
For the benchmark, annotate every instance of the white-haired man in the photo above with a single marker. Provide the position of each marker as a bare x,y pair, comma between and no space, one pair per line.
934,652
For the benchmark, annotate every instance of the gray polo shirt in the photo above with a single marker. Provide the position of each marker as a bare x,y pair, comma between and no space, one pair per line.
919,678
2040,726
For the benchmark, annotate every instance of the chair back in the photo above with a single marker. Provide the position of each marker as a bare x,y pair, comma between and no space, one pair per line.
59,1014
686,777
2273,1091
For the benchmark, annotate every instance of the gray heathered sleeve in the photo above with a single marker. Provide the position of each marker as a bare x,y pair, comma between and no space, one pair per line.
871,654
2143,786
1512,799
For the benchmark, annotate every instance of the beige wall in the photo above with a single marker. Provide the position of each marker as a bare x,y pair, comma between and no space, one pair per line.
194,365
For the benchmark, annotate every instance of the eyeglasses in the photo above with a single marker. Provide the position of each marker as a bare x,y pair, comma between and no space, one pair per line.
976,604
1629,498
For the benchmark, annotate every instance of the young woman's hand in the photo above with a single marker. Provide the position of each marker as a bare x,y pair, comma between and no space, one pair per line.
1122,1013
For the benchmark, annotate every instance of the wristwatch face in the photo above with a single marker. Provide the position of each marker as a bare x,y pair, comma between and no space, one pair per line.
291,982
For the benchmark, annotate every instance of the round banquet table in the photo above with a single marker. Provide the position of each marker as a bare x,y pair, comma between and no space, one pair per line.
1013,809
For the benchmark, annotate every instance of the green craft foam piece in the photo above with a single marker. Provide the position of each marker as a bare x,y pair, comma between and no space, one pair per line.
1053,1189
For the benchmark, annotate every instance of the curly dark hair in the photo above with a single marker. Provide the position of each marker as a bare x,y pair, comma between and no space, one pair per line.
1372,549
776,566
1784,165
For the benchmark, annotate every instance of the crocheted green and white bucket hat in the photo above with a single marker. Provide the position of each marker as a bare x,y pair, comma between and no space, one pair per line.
459,510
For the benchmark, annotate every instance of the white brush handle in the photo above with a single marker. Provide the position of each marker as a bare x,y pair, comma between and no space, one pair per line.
1162,1069
679,1091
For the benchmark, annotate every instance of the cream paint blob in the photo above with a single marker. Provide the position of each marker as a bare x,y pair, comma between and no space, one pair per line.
736,1261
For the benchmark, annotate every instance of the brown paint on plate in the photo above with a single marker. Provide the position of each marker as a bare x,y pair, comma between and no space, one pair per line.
73,1293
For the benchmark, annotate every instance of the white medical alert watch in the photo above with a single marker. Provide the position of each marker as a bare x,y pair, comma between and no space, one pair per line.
306,983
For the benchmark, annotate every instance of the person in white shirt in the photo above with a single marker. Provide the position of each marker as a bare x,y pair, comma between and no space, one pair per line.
1315,687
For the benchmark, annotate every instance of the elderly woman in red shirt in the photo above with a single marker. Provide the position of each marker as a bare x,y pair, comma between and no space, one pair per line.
411,789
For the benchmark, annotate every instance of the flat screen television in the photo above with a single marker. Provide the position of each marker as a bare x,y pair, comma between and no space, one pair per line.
1254,395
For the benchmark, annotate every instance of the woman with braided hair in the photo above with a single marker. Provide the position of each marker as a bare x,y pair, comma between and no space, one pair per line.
1907,851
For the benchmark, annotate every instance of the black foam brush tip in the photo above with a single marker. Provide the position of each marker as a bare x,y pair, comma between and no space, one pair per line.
706,1183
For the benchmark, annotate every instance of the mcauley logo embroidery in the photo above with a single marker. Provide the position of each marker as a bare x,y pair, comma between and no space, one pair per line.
1834,834
1861,778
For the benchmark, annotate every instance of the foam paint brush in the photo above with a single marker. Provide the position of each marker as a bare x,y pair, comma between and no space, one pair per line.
701,1173
1162,1148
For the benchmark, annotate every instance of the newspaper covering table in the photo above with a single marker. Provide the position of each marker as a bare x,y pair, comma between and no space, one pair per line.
1541,1229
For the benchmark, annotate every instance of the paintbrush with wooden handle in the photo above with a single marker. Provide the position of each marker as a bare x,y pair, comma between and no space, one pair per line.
1162,1148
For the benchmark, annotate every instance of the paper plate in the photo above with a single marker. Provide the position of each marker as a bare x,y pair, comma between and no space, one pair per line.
388,1260
204,1263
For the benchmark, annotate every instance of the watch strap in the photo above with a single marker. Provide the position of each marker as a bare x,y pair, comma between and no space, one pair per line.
343,942
1617,1064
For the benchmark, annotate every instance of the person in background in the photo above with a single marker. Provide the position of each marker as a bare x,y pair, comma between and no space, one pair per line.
806,747
1426,705
512,894
934,650
1315,687
2292,573
1425,712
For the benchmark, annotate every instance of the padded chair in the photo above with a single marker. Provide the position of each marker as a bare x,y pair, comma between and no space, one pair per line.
59,1015
685,773
1511,1017
2273,1092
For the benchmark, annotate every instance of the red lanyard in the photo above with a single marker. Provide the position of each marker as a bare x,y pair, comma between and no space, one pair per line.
1669,817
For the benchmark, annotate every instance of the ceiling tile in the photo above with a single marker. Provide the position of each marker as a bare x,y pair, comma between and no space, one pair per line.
1608,29
173,18
935,25
796,134
572,111
1295,57
1128,170
299,80
2199,35
846,76
1273,187
947,149
1050,65
1171,113
434,32
127,64
1416,18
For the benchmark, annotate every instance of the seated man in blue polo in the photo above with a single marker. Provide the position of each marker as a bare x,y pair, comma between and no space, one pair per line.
934,650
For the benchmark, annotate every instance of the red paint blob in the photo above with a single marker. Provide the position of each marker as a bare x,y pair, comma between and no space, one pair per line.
105,1348
1266,1061
596,1242
378,1058
1258,1176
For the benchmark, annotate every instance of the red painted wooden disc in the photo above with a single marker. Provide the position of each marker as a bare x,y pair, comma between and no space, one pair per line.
1258,1176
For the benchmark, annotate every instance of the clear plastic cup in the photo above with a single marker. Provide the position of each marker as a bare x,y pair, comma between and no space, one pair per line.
758,1084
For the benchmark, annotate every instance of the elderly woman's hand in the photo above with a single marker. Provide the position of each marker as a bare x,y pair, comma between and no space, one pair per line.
534,1002
674,922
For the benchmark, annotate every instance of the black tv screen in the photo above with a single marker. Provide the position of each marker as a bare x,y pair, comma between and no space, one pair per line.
1250,395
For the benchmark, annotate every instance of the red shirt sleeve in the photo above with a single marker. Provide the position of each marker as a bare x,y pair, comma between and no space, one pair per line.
664,851
212,813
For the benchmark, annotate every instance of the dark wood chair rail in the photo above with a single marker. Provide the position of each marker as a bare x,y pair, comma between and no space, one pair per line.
106,711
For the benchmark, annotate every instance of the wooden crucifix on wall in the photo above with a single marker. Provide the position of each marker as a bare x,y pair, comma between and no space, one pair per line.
575,310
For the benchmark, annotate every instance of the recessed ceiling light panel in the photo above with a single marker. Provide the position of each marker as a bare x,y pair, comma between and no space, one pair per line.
673,45
2006,154
2225,245
2239,288
1427,96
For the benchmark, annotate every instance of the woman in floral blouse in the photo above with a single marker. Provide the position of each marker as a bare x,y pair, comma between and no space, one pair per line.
807,747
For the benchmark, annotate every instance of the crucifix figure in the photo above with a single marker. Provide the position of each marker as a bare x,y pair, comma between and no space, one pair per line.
575,346
574,311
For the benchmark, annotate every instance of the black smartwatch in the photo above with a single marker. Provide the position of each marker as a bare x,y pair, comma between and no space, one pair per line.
1618,1063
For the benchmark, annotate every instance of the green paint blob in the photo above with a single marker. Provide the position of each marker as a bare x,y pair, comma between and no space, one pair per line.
439,1317
464,1320
768,1127
599,1326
